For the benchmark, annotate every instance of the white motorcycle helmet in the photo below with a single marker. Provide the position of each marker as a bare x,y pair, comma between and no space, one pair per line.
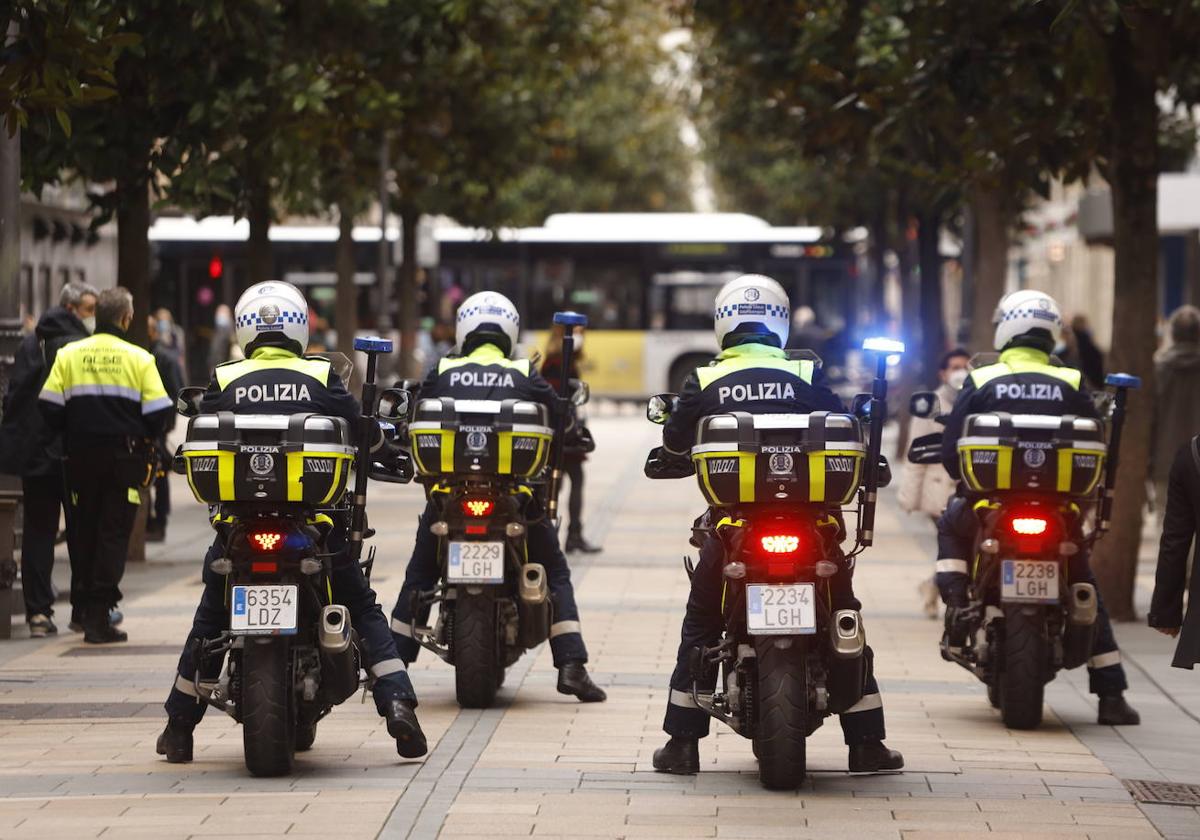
752,304
272,314
1030,318
487,316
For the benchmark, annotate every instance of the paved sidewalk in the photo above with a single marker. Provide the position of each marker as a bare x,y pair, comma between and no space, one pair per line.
77,725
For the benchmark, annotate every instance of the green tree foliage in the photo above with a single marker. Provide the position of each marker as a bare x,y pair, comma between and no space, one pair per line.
61,54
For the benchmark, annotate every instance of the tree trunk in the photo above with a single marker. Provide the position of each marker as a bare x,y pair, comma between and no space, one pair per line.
877,248
933,318
409,216
133,250
259,261
991,216
1133,178
346,311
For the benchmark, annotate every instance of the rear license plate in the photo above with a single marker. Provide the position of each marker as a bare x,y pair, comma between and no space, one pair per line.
476,562
1029,581
773,609
264,610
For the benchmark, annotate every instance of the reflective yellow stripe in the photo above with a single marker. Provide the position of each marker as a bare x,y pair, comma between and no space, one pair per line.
135,498
504,467
816,476
1064,470
278,359
746,476
225,465
295,471
337,477
485,354
702,472
1004,468
447,450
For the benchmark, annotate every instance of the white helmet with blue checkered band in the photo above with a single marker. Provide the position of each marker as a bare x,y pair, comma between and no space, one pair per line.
1020,313
752,304
272,313
489,312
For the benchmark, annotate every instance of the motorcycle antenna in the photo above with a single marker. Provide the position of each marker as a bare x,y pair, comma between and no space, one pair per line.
1122,382
568,321
373,347
883,348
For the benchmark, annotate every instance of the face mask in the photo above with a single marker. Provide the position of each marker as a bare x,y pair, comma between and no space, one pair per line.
89,323
164,329
224,321
957,378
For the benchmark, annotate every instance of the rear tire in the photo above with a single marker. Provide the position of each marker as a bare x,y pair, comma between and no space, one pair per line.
1026,658
268,706
782,724
478,658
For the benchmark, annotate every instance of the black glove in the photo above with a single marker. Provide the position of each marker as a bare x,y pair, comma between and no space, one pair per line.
960,621
579,440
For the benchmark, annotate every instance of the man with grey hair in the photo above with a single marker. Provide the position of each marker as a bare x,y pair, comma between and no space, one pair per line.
1177,396
30,449
105,395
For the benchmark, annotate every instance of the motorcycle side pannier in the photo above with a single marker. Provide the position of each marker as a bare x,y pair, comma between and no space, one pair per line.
300,458
743,457
480,437
1001,452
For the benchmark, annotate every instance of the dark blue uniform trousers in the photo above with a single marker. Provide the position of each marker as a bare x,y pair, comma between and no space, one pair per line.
957,527
350,589
703,624
424,571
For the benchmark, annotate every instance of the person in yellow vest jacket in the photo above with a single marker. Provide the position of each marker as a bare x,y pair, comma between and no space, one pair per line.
1023,381
105,396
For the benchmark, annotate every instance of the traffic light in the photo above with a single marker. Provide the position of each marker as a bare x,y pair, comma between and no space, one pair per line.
216,267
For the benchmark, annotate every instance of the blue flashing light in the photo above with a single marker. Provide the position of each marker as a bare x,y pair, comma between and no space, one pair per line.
1123,380
373,344
570,319
883,345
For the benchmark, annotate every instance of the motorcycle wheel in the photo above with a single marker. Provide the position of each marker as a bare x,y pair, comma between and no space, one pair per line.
268,706
478,663
1026,654
782,724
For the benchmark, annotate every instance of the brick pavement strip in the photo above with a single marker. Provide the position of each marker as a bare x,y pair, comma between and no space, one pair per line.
541,765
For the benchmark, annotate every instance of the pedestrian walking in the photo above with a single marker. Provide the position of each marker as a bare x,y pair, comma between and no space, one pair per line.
169,362
30,449
576,447
1178,538
925,488
1177,396
105,396
1088,355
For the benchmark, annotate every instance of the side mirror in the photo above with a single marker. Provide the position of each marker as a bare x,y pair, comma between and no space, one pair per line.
187,404
580,392
660,407
394,404
410,385
923,404
860,407
399,472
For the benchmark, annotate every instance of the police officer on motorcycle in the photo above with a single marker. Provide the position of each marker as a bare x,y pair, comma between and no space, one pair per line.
1024,381
753,374
276,378
486,332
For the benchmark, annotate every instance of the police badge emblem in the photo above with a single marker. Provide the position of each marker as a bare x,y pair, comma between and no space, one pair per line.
1035,458
753,294
476,441
262,464
780,464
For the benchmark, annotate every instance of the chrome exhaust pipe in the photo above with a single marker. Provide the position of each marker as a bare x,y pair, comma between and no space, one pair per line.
1084,604
533,587
333,634
847,635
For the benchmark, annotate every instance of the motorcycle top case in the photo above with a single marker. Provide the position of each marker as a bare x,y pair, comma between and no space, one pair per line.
742,458
480,437
1001,452
301,458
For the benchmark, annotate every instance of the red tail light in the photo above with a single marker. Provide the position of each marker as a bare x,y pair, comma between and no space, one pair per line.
478,508
260,566
1029,526
265,540
780,543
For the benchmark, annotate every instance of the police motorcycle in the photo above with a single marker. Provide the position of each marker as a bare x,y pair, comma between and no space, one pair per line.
479,461
786,659
274,485
1035,476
